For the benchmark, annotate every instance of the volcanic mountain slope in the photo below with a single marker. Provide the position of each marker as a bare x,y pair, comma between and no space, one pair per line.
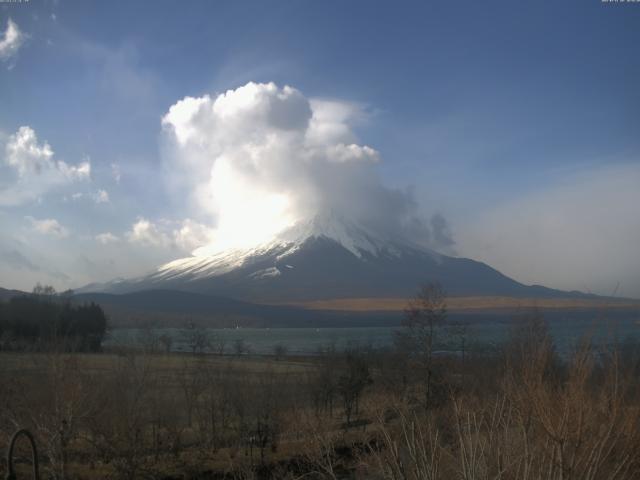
327,257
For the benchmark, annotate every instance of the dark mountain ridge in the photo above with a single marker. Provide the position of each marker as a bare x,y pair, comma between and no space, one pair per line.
321,268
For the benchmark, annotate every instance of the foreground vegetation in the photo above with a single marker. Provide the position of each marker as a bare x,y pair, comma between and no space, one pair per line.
517,412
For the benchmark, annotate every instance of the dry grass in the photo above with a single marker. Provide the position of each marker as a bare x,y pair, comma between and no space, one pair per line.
516,415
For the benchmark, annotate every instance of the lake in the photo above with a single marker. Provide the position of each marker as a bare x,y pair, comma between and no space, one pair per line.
483,330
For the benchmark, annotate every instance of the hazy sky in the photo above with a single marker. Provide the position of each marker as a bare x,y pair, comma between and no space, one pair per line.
130,133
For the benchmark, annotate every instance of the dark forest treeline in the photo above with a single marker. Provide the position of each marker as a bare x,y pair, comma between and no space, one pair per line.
46,318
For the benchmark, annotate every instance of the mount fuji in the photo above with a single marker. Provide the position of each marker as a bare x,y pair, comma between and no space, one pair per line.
327,257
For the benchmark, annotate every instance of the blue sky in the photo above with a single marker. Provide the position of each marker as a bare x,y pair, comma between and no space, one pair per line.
519,123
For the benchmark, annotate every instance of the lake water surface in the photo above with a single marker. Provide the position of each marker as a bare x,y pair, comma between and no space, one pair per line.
482,330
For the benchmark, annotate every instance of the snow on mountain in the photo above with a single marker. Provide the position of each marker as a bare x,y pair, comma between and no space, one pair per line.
355,238
326,257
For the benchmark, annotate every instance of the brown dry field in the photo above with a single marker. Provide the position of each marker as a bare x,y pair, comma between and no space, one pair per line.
95,363
466,303
149,429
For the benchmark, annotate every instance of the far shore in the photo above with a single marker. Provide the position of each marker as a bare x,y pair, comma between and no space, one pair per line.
467,303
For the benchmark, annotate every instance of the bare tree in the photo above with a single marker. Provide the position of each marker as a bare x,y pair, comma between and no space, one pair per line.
196,337
118,434
166,341
280,351
352,383
56,404
192,381
218,343
323,383
240,346
425,315
458,333
213,410
148,338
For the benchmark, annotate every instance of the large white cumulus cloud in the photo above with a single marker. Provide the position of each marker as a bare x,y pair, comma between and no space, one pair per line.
261,157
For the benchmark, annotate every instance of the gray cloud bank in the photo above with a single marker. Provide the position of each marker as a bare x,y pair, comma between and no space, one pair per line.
583,232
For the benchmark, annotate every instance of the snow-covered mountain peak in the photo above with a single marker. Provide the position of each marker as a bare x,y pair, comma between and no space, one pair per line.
327,256
354,237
